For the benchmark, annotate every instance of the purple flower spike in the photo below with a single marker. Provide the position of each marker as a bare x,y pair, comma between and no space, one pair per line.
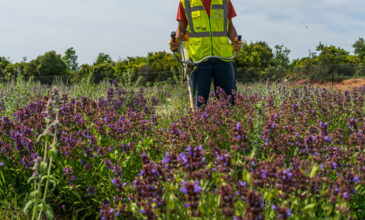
288,212
166,159
188,148
184,190
238,126
273,125
346,195
197,188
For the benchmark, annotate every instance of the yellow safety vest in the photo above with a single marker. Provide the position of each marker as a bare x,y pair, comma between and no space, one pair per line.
208,35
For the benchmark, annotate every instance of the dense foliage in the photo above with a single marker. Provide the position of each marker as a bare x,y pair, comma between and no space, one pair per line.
282,153
255,62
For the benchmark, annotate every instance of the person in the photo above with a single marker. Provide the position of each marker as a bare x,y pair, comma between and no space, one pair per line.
210,27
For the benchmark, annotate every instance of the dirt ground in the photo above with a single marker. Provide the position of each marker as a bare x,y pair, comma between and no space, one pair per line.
347,84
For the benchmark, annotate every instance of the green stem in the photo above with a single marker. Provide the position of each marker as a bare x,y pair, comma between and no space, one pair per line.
45,153
46,188
49,170
35,200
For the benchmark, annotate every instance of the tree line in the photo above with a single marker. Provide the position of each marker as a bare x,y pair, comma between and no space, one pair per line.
256,61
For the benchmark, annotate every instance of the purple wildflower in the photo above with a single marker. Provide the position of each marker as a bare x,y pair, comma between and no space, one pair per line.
184,190
166,159
288,212
238,126
197,188
346,195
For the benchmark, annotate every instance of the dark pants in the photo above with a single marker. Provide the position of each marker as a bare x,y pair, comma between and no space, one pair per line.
220,71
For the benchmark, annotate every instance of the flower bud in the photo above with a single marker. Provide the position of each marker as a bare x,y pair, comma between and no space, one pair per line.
53,153
43,167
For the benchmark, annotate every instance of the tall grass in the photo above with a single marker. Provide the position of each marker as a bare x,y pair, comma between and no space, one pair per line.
173,98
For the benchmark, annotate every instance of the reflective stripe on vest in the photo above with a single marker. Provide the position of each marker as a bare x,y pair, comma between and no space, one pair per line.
189,10
208,35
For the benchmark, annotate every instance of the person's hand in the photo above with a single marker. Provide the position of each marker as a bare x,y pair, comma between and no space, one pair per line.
173,45
237,44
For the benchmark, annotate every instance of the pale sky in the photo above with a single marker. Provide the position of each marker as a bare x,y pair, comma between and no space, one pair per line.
121,28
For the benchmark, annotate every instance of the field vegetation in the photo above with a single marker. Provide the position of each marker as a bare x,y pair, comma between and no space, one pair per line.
116,139
115,151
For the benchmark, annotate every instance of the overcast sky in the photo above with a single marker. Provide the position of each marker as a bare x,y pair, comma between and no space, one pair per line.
121,28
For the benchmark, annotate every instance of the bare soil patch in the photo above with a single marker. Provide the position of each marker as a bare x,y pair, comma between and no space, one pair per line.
347,84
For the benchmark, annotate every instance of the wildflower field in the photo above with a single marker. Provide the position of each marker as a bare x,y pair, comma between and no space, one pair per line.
127,153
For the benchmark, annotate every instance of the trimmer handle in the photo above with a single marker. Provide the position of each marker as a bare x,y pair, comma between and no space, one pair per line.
173,36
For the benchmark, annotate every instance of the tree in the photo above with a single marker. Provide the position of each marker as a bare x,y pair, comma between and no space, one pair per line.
12,70
163,66
258,55
359,47
30,69
70,58
3,63
51,64
252,60
332,55
103,58
332,63
281,56
45,67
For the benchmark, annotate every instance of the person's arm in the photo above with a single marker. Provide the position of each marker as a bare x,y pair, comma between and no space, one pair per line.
232,33
181,30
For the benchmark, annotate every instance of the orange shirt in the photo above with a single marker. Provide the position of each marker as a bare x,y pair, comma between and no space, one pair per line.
182,17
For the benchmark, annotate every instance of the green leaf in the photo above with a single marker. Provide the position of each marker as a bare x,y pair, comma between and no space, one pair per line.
314,171
172,202
77,195
327,209
33,194
309,207
53,182
248,177
49,212
31,178
50,177
253,153
27,205
303,172
2,176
